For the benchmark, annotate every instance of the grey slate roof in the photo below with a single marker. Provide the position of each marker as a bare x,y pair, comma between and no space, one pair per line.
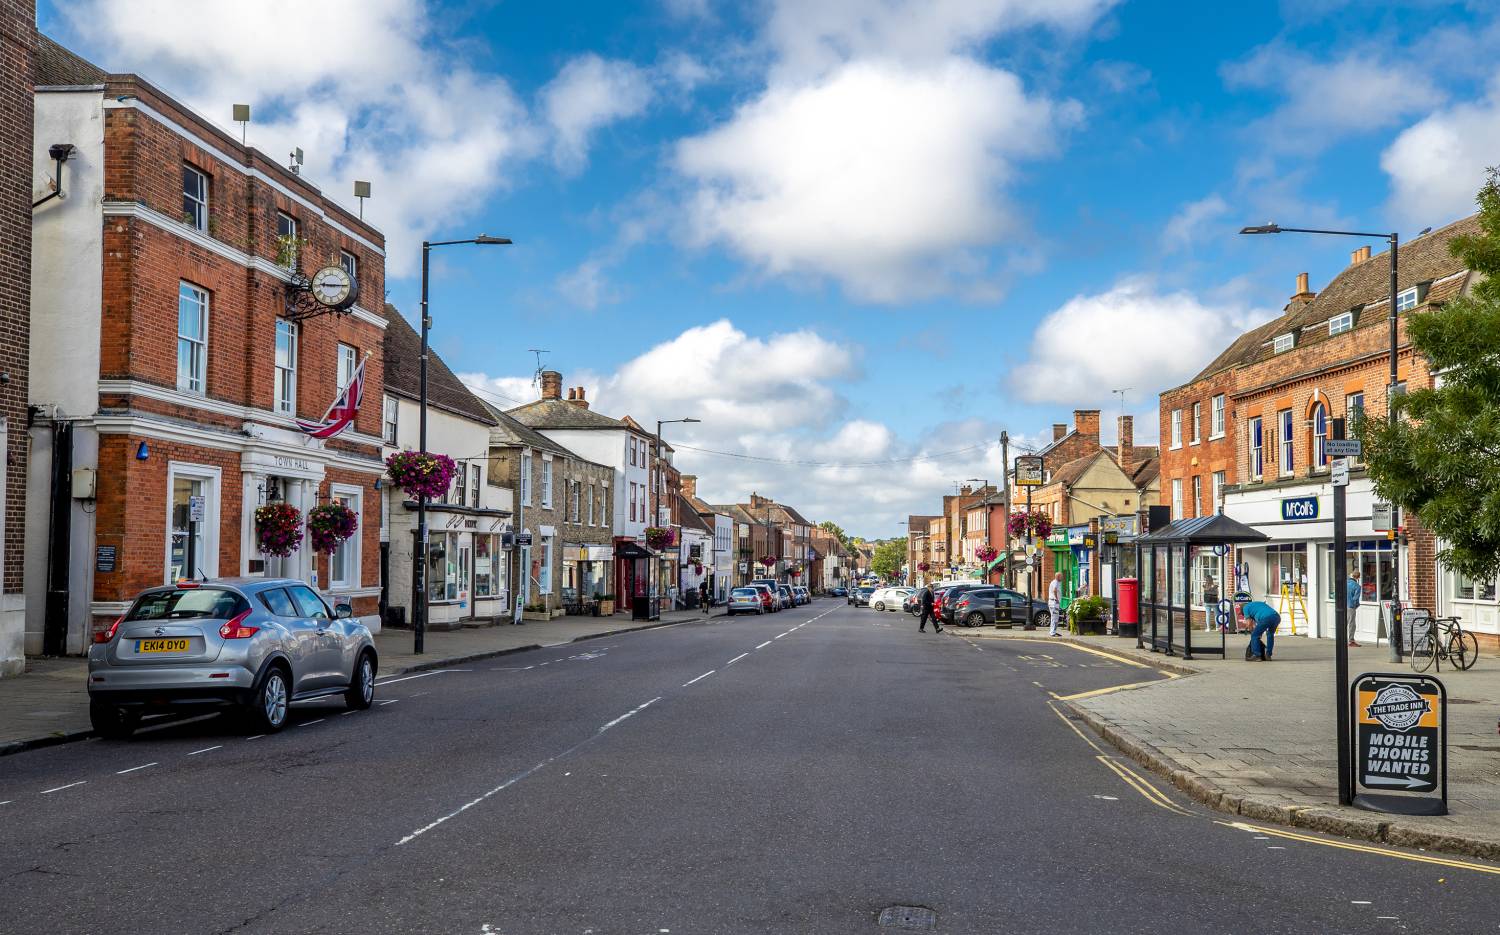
510,431
561,414
52,64
403,350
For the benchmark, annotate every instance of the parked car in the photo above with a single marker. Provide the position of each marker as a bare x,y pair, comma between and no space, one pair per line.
942,605
839,592
978,606
787,600
803,595
860,597
888,598
746,600
257,644
769,599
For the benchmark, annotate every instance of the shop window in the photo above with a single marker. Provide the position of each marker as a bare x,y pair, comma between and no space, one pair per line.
194,198
192,338
343,563
1257,449
1375,561
448,566
1465,589
286,366
1286,564
489,566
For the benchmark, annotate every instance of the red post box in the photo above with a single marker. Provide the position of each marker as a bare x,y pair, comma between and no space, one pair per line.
1128,607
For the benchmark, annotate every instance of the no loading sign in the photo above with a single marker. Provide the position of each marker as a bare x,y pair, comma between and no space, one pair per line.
1400,743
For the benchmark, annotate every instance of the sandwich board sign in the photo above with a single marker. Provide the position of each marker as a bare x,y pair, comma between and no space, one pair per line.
1400,743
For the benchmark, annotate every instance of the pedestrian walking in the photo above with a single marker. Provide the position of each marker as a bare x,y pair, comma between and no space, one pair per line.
1265,620
926,601
703,596
1054,603
1353,591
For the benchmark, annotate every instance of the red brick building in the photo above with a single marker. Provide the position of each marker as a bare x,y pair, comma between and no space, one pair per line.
17,42
173,357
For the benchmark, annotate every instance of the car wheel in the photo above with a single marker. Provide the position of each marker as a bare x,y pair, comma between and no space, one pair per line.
880,605
974,619
269,709
112,722
1041,620
361,693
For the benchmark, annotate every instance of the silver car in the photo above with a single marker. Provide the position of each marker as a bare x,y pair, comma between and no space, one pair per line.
254,643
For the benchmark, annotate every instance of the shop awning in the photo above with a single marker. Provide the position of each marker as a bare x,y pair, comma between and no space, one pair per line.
632,550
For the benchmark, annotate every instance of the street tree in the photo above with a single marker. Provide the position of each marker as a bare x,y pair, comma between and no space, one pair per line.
838,533
1440,459
888,559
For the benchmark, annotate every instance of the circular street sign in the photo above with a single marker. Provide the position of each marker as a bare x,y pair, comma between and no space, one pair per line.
1223,619
1225,606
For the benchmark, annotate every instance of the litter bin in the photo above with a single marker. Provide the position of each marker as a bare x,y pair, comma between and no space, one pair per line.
640,608
1128,607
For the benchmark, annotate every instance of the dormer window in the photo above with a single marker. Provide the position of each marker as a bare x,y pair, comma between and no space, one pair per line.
1283,343
1406,299
1338,324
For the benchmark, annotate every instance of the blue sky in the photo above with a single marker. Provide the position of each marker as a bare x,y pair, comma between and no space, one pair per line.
841,231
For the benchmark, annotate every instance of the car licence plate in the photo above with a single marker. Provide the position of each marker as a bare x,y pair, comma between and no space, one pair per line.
175,645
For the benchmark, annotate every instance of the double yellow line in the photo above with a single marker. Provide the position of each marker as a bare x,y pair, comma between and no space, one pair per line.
1133,779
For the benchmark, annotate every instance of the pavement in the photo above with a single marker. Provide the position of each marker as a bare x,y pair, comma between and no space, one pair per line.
1259,740
807,772
49,703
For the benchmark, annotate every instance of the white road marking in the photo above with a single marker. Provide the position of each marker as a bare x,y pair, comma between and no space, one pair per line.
347,713
1107,798
206,750
764,645
7,802
736,659
1273,847
392,701
1359,902
306,724
132,769
61,788
780,635
256,737
528,668
631,713
408,678
700,678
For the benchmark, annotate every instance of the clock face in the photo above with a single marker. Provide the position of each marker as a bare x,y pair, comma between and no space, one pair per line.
333,287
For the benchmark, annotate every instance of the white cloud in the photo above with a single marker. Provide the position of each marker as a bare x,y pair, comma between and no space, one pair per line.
1188,225
1437,165
586,285
1365,89
778,397
1132,335
884,177
360,85
588,94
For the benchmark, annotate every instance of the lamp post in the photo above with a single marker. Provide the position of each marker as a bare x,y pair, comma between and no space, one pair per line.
656,479
1341,623
419,612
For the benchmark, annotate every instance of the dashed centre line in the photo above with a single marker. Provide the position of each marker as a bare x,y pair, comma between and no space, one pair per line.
699,678
61,788
133,769
764,645
631,713
309,723
736,659
206,750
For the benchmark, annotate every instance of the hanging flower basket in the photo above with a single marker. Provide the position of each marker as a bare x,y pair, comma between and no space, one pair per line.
661,537
697,568
768,560
278,529
330,524
1035,523
985,554
923,566
421,473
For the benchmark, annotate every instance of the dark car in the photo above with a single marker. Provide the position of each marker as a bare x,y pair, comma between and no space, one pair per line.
860,597
978,607
942,604
839,592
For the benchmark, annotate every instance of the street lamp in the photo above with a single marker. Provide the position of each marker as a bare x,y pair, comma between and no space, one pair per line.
656,480
419,615
1341,632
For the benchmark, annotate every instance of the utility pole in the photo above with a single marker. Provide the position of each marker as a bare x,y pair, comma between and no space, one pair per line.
1341,630
1005,522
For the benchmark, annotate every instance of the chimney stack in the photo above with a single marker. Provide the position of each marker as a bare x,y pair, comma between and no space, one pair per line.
1126,443
576,397
690,485
1360,255
1086,422
551,384
572,394
1058,430
1303,294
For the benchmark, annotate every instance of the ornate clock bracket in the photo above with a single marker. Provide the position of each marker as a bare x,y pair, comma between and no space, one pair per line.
303,302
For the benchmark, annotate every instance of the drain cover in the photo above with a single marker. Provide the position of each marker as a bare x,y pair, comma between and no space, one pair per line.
908,918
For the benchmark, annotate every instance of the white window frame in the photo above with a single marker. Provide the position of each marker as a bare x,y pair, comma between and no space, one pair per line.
1176,500
476,483
591,504
350,264
1320,459
1338,324
1257,452
213,488
293,229
348,362
195,204
352,544
525,477
1197,494
1218,490
1283,343
285,400
1286,436
390,419
187,291
546,481
1216,417
1197,422
1176,428
544,573
1406,300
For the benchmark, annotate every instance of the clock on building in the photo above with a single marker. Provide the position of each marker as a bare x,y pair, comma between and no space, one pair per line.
333,287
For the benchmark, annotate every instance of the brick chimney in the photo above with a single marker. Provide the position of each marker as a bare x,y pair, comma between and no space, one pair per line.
1303,294
551,384
690,485
1125,442
1058,430
577,398
1086,422
1360,255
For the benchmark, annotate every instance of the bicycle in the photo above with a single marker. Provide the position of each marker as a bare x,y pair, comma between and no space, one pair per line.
1444,638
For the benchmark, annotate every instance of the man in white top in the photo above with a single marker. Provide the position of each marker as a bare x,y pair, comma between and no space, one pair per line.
1054,602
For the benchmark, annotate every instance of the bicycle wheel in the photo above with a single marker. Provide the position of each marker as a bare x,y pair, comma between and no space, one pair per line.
1423,653
1463,649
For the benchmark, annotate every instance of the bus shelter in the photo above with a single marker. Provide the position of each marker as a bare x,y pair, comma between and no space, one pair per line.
1165,557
